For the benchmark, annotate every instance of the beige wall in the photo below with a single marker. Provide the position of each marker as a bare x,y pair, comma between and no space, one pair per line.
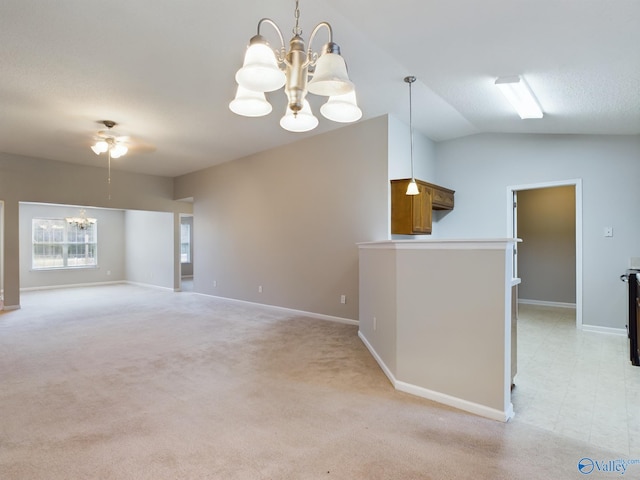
442,327
288,220
149,248
25,179
547,256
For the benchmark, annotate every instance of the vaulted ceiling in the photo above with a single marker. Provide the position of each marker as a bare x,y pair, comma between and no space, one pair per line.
164,71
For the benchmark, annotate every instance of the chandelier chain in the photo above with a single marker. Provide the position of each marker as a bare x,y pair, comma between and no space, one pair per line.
297,30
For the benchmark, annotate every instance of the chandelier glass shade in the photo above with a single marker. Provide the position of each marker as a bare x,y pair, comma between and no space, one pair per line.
299,71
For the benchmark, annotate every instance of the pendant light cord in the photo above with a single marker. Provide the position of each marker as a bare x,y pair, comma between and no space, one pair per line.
411,128
410,80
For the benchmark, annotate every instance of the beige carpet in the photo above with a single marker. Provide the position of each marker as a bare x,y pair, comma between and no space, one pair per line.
127,382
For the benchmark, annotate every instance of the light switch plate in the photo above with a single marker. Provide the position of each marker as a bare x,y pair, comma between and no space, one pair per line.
608,231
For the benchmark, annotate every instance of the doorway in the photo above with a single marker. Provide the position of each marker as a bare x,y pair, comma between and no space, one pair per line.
512,225
186,252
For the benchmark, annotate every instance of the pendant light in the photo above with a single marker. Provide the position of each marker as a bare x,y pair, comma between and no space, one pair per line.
412,188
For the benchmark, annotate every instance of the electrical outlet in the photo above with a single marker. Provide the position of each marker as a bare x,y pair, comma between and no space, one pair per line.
375,324
608,231
215,283
343,299
259,288
108,272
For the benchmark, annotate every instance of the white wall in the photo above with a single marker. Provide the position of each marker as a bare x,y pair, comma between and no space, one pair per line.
150,249
110,247
424,161
481,167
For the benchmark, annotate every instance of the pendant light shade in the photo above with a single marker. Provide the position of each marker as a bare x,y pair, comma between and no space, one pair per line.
302,122
342,108
249,103
260,71
330,77
412,188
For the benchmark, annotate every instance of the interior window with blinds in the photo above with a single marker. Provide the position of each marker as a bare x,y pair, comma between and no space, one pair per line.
60,244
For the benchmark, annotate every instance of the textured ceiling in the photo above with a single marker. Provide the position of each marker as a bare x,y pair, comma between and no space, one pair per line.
164,71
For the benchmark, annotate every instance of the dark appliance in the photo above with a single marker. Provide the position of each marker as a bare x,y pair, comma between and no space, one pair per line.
632,277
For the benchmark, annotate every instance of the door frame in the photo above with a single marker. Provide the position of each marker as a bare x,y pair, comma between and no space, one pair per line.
577,183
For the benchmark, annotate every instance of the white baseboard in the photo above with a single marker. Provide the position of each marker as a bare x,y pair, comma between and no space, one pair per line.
71,285
544,303
8,308
377,358
439,397
303,313
605,330
150,285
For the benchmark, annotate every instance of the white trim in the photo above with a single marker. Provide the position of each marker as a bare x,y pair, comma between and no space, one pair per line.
377,358
71,285
8,308
544,303
438,397
577,183
320,316
440,244
605,330
149,285
456,402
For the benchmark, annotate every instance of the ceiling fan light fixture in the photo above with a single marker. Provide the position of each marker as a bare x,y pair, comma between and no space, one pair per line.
108,142
520,96
118,150
100,147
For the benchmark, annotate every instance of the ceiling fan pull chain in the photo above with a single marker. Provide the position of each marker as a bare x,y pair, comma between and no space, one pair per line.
109,176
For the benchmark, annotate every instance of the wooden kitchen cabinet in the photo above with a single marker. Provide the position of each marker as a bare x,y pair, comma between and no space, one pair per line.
412,214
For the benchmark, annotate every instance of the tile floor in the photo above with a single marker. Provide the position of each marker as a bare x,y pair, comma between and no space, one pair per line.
575,383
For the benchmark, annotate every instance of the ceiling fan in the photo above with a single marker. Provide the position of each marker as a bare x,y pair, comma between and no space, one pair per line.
110,141
117,144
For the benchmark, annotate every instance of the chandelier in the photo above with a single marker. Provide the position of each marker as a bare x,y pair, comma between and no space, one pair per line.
82,222
300,71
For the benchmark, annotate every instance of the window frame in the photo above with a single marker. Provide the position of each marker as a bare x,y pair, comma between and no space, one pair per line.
70,242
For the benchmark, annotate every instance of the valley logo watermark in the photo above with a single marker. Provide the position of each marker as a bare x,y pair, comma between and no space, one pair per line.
587,466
